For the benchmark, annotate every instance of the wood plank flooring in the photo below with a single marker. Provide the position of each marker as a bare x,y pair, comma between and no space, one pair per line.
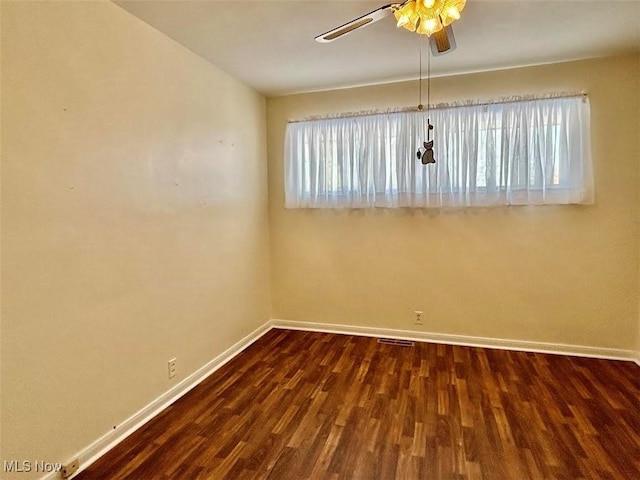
304,405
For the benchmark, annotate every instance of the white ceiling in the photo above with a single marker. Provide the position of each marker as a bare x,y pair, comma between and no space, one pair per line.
268,44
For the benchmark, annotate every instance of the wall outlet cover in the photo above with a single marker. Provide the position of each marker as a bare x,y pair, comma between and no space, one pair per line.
70,468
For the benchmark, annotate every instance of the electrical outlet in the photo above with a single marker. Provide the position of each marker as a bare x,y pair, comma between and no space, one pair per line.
172,368
70,468
418,319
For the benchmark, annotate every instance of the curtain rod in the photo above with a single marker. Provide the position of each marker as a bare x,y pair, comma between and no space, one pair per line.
439,106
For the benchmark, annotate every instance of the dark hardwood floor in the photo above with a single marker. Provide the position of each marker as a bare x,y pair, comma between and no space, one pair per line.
298,405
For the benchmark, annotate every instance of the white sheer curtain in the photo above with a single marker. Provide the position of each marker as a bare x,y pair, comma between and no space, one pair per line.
527,152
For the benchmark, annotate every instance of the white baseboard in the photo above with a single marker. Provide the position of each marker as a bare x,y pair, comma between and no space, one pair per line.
465,340
105,443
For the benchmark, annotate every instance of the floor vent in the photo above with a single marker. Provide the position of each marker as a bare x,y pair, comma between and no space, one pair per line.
393,341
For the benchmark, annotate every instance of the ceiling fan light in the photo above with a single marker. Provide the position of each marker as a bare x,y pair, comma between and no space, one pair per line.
429,26
404,14
451,11
416,18
402,20
429,3
447,18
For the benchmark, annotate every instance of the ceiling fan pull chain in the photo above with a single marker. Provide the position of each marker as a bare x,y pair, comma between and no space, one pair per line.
429,126
425,152
420,74
427,156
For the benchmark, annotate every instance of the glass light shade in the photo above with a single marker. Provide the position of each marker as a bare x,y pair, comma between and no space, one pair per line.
403,15
451,11
429,26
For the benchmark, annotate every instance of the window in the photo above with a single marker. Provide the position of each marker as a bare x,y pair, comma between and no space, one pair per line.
528,152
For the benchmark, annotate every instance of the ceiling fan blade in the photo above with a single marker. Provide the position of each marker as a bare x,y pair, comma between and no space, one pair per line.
443,41
359,22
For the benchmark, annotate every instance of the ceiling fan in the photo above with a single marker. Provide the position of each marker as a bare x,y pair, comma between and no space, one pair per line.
427,17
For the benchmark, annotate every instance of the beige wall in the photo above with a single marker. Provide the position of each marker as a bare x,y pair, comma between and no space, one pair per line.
134,225
134,220
560,274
